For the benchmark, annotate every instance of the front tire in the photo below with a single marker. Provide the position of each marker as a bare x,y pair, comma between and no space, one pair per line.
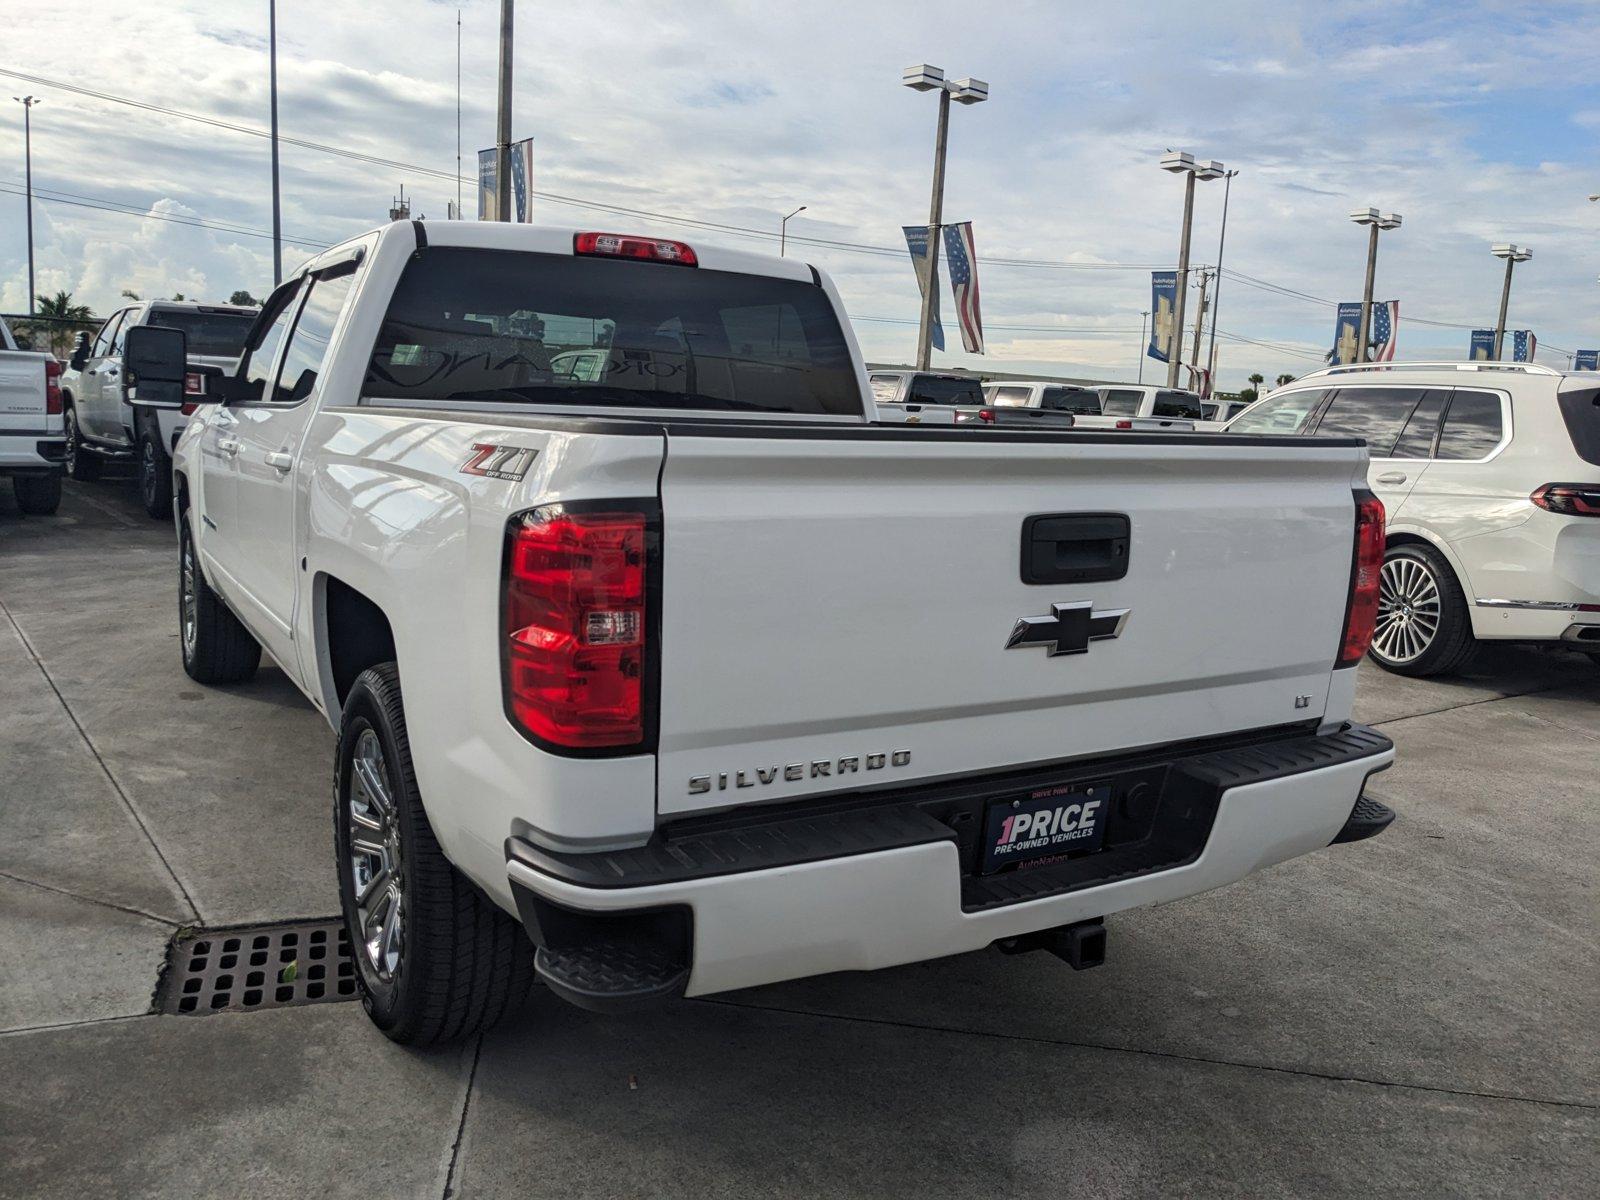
155,478
435,958
1423,628
82,465
216,647
37,495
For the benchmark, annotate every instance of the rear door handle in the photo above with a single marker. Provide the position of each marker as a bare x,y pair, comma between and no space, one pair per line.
1392,477
280,461
229,446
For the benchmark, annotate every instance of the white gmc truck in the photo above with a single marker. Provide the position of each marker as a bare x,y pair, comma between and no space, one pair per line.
681,674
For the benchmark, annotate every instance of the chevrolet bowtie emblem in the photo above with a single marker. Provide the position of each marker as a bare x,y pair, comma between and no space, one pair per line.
1069,628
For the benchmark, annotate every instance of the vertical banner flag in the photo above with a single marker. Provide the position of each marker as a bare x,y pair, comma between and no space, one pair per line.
521,155
961,256
1523,345
1163,302
1385,320
1586,360
1482,345
1346,333
917,243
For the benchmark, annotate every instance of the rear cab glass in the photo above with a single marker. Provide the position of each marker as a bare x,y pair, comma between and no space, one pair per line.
210,334
1078,401
1178,404
1121,402
517,327
940,389
1009,397
885,388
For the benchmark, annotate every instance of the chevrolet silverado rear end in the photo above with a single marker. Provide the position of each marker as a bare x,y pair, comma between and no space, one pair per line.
634,624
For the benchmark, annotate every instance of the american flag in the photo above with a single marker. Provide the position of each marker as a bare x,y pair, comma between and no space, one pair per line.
1385,319
962,258
1523,346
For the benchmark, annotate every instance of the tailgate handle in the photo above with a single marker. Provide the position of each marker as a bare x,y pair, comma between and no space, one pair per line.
1074,547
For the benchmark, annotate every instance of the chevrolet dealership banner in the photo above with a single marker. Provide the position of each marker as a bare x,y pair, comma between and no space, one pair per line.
1482,345
1346,333
1586,360
521,154
917,243
1163,314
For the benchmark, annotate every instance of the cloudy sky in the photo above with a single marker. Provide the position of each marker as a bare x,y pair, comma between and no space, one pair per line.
1476,120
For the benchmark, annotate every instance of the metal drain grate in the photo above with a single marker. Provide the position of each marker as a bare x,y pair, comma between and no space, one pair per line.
272,966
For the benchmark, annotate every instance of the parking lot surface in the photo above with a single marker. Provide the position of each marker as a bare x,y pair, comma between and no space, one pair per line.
1414,1013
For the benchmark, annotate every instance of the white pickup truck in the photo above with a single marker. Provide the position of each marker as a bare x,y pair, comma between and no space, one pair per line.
702,678
32,443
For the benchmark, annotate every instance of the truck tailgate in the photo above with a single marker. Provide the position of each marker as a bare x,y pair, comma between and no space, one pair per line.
22,391
836,610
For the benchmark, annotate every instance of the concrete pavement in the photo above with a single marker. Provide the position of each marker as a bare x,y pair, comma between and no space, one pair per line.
1413,1013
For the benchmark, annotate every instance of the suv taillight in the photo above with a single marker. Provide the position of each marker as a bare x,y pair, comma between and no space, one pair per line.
52,388
1361,611
574,626
1569,499
622,245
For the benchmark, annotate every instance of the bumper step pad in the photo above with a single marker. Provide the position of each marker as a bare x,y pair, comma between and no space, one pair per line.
608,975
1368,819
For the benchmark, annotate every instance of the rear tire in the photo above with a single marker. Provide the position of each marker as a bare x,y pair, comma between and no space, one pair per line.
82,464
216,647
435,958
1423,628
37,495
155,478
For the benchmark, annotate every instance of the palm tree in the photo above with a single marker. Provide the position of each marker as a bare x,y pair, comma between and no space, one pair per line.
129,295
58,314
1285,379
1256,381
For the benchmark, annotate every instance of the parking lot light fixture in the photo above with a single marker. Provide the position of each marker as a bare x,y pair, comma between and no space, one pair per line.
27,103
783,230
1513,254
926,78
1374,220
1181,162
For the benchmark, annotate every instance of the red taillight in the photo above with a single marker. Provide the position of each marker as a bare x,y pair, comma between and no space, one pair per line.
1569,499
187,409
622,245
1124,424
574,627
1362,611
986,415
52,387
193,383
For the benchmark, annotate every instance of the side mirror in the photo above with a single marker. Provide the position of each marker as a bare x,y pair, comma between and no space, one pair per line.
80,352
155,359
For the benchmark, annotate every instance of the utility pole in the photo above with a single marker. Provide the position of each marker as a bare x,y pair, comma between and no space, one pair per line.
458,114
272,70
1199,322
1216,296
502,141
27,103
1144,315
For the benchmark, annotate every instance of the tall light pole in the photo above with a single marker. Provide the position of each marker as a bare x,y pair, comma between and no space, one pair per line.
1375,221
27,103
925,78
783,230
1180,162
1144,314
502,138
1216,297
1513,254
272,72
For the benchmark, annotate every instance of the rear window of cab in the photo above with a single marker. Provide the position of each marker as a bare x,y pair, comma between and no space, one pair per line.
515,327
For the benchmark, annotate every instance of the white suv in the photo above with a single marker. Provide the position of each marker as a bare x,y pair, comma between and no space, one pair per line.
1491,477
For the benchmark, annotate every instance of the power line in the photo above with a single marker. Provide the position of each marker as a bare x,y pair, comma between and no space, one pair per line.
129,210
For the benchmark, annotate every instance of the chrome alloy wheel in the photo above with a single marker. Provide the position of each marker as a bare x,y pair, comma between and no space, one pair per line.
1409,610
71,457
149,472
186,599
373,823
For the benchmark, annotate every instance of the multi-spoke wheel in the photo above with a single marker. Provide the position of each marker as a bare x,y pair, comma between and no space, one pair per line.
216,647
1422,626
155,478
376,865
435,957
81,464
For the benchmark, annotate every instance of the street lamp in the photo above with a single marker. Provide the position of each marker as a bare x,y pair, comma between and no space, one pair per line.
27,103
1513,254
1216,297
1181,163
783,229
925,78
1144,314
1375,220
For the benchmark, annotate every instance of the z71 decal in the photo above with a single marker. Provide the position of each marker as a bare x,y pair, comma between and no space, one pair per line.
499,462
